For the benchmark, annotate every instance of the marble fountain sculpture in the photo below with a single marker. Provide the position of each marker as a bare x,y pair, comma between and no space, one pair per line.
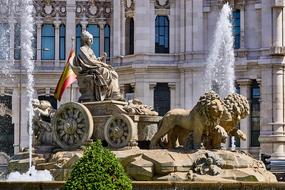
101,113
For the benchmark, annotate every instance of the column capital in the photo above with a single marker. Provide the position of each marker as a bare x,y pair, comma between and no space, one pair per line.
102,24
172,85
259,82
57,23
152,85
39,23
278,4
244,82
84,24
133,85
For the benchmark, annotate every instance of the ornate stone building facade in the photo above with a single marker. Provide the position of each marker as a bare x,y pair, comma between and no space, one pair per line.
159,48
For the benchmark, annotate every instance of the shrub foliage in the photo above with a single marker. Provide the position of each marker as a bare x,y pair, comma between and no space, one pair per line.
98,169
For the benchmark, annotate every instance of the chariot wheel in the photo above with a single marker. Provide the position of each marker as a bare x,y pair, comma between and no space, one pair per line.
72,125
118,130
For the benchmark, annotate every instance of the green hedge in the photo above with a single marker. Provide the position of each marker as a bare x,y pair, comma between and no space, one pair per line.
98,169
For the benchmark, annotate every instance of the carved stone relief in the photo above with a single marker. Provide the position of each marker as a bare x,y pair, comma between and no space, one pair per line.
162,4
91,9
129,5
50,8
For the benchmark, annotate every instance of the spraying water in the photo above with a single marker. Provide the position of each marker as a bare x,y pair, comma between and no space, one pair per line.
219,73
27,29
6,47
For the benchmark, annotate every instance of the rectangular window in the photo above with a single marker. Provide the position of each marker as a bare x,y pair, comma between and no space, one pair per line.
78,37
236,28
161,34
17,42
62,42
107,41
255,114
48,42
4,41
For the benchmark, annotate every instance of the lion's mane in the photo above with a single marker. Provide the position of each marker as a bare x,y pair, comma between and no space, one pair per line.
237,105
205,105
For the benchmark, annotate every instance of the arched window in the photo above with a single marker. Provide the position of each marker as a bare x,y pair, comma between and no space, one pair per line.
236,28
62,42
17,41
47,48
107,40
161,34
129,39
95,31
78,37
255,114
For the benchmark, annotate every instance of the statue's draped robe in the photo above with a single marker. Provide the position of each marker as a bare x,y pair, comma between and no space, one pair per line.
105,79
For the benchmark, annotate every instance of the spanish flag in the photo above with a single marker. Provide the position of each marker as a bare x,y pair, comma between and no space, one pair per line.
67,77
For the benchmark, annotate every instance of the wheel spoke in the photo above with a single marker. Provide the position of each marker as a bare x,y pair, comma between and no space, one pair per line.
75,116
70,113
80,125
76,137
79,131
79,118
71,139
66,137
65,116
61,134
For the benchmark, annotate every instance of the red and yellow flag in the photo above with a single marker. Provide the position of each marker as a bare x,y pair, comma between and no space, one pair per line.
67,77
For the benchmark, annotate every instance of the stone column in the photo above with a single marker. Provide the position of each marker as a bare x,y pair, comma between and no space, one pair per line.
152,25
277,26
245,123
101,25
152,85
56,25
189,26
172,88
39,41
142,27
266,24
198,26
16,119
182,102
278,112
70,24
116,26
84,24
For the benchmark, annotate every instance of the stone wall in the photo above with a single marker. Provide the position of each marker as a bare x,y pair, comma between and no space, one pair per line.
150,186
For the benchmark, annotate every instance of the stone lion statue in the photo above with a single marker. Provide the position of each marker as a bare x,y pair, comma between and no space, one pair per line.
202,119
237,107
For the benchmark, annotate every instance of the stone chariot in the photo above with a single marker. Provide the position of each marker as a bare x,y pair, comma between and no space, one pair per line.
74,124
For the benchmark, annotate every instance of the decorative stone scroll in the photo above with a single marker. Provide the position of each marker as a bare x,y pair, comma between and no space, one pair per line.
50,8
93,9
162,4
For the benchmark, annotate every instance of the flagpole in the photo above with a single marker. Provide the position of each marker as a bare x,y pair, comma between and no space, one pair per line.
71,89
